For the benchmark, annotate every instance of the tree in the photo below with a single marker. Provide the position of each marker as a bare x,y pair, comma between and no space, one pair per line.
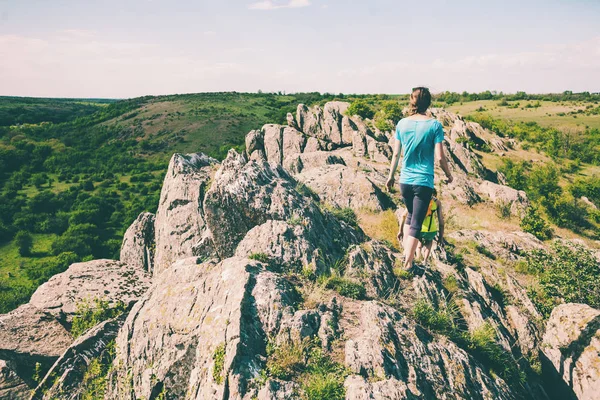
38,180
361,108
24,243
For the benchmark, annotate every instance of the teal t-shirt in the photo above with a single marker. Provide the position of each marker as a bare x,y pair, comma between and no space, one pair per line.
418,139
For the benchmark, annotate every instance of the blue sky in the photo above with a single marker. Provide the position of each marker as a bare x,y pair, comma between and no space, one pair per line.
127,48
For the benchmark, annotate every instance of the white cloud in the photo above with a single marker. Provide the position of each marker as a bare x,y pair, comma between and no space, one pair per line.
275,5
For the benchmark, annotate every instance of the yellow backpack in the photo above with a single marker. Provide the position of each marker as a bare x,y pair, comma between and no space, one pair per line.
430,222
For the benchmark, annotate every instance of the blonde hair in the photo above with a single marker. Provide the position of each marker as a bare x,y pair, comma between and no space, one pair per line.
420,100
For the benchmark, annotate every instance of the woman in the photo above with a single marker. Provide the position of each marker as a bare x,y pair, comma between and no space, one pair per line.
420,137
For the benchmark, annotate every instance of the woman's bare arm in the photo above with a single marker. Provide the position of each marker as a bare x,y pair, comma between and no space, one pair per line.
441,157
394,164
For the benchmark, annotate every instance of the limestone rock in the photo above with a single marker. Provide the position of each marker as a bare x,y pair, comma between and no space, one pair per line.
517,199
299,162
343,186
28,336
64,379
572,347
104,279
387,347
12,386
138,245
179,219
191,313
246,194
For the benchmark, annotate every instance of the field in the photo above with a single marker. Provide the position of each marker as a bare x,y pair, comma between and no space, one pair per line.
565,115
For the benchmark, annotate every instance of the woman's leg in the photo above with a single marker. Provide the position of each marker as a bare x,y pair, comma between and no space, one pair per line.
408,197
421,198
426,251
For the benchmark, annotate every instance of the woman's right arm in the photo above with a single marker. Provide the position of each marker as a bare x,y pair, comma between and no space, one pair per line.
441,157
394,165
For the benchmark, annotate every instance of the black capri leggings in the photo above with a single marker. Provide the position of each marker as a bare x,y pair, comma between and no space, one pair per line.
416,199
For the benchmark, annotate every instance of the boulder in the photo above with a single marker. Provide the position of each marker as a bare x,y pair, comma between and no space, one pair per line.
179,219
64,380
571,346
246,194
498,194
12,387
344,186
138,245
29,336
199,332
299,162
103,279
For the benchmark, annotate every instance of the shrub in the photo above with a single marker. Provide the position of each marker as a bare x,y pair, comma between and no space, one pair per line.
345,214
383,124
347,288
288,359
361,108
219,363
89,314
260,257
568,273
503,209
438,320
24,243
532,222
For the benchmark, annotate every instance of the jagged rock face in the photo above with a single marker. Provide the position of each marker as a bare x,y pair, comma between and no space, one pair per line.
328,124
508,245
28,336
180,223
343,186
572,347
138,245
103,279
64,379
246,194
386,347
12,387
191,311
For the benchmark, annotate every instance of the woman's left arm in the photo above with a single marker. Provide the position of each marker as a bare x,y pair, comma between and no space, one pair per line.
394,164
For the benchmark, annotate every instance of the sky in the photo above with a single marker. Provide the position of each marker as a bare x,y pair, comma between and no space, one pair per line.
130,48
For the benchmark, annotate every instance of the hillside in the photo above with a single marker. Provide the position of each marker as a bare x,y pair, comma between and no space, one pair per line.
274,274
72,188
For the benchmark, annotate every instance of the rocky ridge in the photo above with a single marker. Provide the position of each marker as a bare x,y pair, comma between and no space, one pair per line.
250,259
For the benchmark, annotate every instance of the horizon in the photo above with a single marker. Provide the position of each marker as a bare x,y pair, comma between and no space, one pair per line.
283,93
111,50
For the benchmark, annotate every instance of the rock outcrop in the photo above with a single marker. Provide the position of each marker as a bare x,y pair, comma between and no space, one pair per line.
29,336
572,348
65,380
99,279
199,332
180,223
138,245
12,386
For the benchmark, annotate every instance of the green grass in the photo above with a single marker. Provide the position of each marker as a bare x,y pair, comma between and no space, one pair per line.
219,365
548,115
15,285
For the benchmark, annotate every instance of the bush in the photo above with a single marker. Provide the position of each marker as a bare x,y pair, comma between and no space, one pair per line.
24,243
347,288
361,108
533,223
345,214
219,359
89,314
568,273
